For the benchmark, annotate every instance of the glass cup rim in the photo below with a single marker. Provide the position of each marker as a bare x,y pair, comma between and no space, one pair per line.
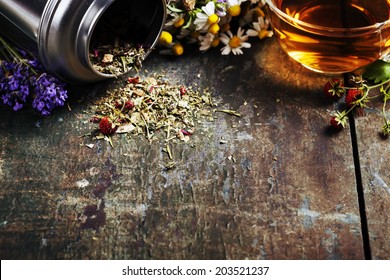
282,14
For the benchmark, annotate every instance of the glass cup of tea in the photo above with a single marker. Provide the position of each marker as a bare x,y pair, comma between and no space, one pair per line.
332,36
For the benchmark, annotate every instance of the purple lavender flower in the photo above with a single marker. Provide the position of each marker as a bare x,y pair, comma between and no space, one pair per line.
23,79
17,106
14,85
50,93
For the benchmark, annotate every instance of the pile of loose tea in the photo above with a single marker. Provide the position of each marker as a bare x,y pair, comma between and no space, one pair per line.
115,46
117,58
152,107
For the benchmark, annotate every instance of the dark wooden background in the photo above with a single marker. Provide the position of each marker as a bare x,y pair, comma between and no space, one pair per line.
282,187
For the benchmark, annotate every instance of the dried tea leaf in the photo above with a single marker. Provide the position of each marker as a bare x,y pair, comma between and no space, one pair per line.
230,112
125,128
170,165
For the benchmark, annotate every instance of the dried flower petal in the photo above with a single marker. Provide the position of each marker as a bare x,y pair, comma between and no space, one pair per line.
108,58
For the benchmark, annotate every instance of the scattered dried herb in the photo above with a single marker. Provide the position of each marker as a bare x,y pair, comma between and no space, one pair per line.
230,112
151,106
156,110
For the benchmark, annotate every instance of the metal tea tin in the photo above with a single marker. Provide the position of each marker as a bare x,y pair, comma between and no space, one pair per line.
59,32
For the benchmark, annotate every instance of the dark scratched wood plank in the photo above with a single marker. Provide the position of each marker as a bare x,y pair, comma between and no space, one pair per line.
374,154
281,187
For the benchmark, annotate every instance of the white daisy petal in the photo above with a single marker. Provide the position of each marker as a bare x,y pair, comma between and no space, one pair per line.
209,8
204,48
224,40
244,38
237,51
202,16
240,32
263,23
245,45
257,26
252,33
226,50
199,21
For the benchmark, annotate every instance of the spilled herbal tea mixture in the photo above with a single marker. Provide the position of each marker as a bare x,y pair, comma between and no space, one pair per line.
155,109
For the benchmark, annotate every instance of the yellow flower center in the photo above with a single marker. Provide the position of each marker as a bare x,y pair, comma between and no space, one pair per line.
213,29
234,42
177,49
234,10
263,33
212,19
179,23
215,42
165,38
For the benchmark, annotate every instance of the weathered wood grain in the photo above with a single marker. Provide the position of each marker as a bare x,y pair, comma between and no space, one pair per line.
374,155
282,187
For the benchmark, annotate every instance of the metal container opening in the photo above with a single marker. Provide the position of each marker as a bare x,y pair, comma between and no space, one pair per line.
135,22
62,33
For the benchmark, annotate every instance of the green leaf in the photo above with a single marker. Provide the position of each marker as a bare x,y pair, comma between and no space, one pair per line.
377,72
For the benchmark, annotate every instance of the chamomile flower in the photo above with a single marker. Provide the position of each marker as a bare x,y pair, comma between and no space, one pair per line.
165,38
208,41
214,29
261,29
251,16
175,49
234,43
206,18
209,22
177,21
234,7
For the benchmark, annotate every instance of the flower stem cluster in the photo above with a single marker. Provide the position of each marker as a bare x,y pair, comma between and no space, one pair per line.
23,81
360,94
385,90
209,23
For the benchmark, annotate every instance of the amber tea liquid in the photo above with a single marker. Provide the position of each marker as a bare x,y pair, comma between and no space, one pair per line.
329,41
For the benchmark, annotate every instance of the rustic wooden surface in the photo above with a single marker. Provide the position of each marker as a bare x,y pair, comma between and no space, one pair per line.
375,166
282,187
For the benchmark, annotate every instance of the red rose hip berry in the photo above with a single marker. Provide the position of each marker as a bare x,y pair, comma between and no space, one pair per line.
334,88
334,123
106,126
352,96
